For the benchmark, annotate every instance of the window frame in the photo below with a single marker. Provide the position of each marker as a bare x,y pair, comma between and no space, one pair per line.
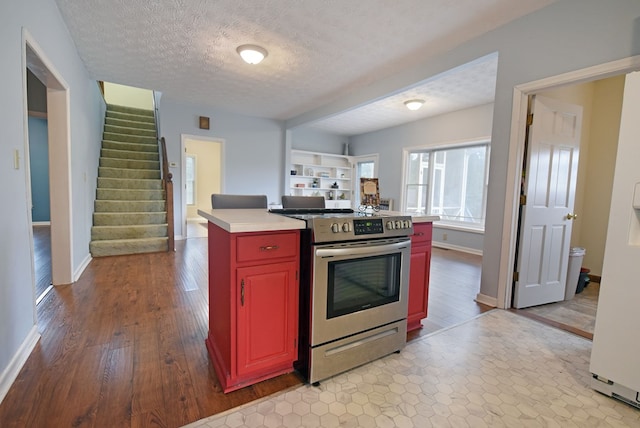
432,149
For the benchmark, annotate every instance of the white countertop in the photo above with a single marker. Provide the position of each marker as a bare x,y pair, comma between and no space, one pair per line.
250,220
259,220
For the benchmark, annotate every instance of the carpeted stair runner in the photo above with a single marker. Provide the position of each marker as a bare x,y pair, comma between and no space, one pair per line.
130,214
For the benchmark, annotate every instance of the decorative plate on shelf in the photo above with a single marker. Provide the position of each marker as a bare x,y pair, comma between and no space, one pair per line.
308,172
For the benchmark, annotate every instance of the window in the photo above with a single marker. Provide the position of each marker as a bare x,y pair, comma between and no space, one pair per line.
448,182
190,173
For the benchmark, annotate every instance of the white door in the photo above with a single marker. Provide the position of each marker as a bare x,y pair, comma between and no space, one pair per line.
547,214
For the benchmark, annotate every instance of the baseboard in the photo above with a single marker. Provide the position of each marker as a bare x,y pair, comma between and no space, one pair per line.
15,365
486,300
82,267
446,246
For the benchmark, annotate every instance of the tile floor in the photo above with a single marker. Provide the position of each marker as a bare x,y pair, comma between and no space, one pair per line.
499,369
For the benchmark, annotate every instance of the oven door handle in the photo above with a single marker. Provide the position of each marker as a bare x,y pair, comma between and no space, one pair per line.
362,250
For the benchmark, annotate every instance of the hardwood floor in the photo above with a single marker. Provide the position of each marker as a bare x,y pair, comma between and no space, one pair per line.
42,257
124,346
453,286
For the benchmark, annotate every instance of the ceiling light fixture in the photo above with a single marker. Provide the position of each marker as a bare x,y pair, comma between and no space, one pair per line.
252,54
414,104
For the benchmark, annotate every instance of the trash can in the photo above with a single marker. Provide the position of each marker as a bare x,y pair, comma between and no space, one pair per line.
583,280
576,254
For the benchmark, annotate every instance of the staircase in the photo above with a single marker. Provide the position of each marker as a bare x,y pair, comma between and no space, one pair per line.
130,209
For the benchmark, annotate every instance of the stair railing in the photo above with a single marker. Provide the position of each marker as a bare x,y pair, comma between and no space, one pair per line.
167,179
167,185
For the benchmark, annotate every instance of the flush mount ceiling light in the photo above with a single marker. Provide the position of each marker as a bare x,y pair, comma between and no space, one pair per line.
414,104
252,54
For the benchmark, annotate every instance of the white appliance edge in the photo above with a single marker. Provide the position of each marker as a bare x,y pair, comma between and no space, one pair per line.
616,343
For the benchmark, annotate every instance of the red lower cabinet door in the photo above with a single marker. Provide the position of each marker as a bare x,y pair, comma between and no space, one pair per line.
267,318
418,286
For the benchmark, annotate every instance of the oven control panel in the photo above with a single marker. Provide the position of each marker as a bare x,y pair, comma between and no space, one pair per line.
354,228
367,226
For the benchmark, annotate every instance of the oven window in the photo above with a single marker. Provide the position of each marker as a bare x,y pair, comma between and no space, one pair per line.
363,283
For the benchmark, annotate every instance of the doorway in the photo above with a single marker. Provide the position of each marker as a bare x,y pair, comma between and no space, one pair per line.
58,136
602,103
366,166
521,94
201,176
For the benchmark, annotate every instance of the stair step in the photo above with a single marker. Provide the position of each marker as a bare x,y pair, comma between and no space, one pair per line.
129,123
128,154
134,147
129,116
129,163
107,233
127,130
128,246
140,174
129,195
130,209
129,219
128,183
102,206
131,110
126,138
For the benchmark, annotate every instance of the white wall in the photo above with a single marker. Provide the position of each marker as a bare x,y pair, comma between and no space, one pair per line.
253,160
42,20
607,108
565,36
313,140
128,96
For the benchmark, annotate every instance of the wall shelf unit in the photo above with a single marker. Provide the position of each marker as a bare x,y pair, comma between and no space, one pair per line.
322,174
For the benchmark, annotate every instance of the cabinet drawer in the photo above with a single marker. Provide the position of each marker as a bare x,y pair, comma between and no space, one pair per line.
422,232
266,246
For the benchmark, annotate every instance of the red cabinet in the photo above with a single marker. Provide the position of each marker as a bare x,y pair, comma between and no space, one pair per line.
253,305
419,274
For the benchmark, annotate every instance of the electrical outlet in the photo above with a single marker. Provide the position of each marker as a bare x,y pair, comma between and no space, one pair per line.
444,236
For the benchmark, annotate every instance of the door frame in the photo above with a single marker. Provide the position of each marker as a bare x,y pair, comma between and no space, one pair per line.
183,173
519,112
59,136
355,191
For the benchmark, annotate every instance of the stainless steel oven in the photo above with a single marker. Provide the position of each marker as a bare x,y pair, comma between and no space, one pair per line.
359,304
354,285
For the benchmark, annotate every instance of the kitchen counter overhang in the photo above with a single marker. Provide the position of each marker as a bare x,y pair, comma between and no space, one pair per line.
250,220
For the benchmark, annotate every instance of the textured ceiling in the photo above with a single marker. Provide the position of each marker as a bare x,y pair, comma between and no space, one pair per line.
319,50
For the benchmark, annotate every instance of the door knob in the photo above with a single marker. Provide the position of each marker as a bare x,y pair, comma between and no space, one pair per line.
571,216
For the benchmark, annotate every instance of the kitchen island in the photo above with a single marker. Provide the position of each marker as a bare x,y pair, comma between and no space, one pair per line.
254,262
253,295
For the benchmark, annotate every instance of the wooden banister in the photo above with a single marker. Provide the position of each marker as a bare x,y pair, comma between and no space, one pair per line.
167,185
